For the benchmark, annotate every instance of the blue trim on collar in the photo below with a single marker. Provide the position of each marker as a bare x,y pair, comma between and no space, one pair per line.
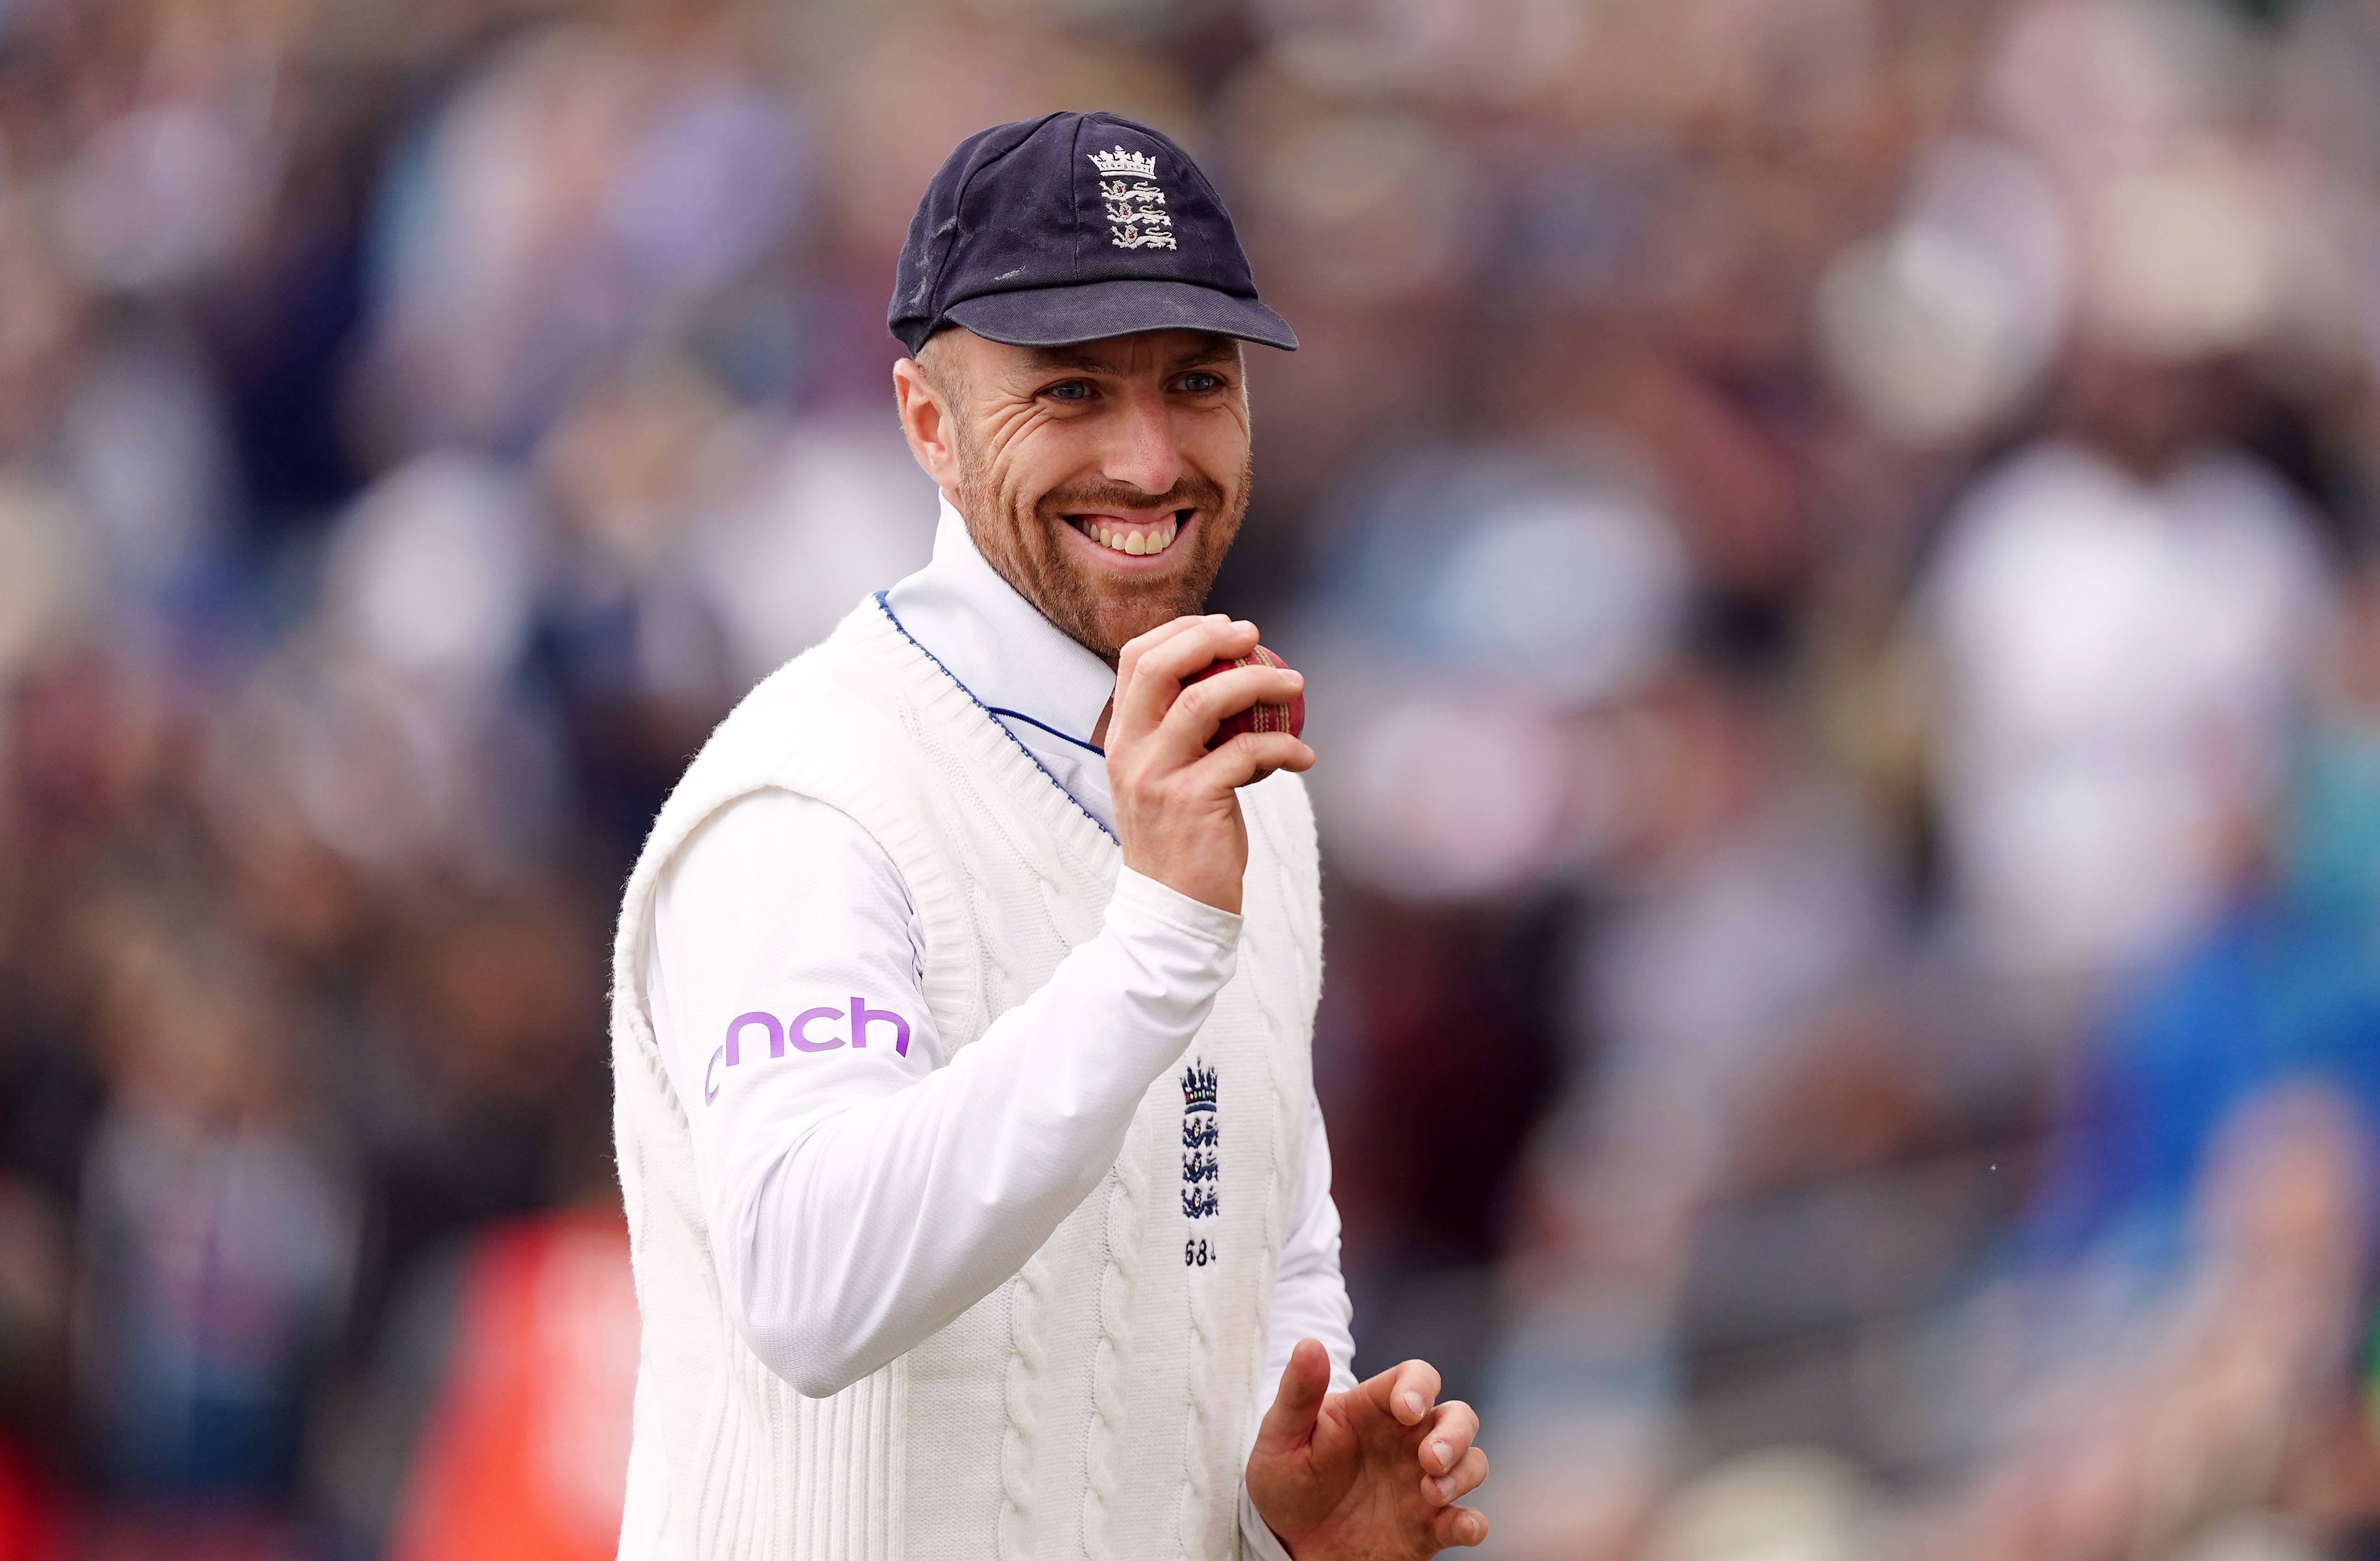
886,608
1020,715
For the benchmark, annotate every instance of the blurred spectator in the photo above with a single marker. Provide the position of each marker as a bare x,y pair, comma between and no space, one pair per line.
588,182
218,1230
1746,948
2208,1218
524,1449
35,1265
2119,620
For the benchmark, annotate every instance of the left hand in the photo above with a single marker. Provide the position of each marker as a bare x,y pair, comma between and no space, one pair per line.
1370,1472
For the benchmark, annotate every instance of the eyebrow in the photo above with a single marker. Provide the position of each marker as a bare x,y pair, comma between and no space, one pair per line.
1217,349
1047,359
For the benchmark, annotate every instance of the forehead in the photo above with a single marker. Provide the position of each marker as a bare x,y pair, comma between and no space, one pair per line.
1143,352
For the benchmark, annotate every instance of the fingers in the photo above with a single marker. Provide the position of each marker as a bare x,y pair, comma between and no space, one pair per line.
1191,721
1303,1384
1449,1437
1459,1525
1250,756
1147,685
1414,1392
1405,1392
1438,1490
1129,657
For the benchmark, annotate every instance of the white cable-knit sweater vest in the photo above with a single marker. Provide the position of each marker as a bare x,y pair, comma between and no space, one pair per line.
1102,1402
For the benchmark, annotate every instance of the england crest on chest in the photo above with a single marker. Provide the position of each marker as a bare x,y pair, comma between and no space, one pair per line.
1136,207
1202,1168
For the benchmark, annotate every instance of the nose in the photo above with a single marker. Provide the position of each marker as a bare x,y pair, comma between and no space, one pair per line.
1141,453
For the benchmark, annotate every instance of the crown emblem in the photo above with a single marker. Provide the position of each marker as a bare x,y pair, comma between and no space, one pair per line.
1197,1088
1122,165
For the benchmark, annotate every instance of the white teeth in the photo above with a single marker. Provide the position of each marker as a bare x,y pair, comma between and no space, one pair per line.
1136,543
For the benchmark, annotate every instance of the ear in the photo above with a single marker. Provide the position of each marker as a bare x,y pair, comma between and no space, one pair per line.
929,422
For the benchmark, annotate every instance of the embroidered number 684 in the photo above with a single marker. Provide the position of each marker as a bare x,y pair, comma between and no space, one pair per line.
1197,1253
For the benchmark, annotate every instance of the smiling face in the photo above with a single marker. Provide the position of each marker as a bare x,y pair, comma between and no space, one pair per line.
1105,481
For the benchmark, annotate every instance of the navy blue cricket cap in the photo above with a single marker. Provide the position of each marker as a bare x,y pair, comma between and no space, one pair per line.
1070,228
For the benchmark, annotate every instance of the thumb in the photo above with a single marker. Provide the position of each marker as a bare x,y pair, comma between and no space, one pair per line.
1295,1407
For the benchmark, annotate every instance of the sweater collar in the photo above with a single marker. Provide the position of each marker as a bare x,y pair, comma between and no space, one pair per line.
994,641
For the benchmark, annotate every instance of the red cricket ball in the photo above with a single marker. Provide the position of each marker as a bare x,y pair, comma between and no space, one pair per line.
1289,717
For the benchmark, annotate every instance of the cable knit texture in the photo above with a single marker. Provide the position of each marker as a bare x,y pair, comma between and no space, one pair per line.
1101,1402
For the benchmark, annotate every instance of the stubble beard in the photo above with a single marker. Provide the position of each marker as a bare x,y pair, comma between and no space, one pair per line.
1020,539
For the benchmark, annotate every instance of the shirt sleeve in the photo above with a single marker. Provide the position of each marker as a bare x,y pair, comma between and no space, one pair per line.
864,1188
1309,1297
1262,1545
1309,1300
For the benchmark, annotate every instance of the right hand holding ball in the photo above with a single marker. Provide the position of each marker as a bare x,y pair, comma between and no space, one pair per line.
1177,751
1289,717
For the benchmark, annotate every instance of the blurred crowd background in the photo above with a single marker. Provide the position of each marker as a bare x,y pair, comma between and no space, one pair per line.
1835,544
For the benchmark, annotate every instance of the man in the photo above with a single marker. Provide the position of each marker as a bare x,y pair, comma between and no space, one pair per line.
964,1001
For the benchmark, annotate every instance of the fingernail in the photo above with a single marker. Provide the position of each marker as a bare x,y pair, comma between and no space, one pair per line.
1413,1402
1443,1454
1444,1489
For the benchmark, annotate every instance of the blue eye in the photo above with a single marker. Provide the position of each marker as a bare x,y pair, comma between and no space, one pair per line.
1072,390
1200,384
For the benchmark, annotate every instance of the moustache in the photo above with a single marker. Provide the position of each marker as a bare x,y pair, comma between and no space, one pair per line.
1191,492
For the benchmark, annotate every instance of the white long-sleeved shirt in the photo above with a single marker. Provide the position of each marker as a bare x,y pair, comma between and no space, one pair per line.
865,1189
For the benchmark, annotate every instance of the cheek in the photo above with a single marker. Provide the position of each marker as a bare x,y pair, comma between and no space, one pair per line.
1216,443
1029,460
1025,435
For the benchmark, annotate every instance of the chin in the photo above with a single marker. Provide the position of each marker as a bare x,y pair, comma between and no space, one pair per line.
1103,599
1121,616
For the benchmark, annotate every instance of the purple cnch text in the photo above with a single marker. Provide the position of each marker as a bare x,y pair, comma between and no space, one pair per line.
801,1037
